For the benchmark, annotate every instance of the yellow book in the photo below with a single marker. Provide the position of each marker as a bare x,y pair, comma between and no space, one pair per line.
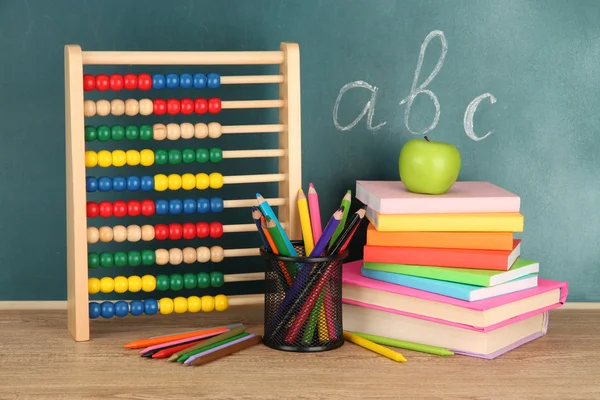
480,222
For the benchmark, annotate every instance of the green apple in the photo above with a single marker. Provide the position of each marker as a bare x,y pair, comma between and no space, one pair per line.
428,167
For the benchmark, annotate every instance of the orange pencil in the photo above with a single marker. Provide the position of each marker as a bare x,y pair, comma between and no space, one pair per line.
286,274
138,344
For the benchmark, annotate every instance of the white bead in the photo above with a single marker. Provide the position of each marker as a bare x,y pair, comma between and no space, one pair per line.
175,256
147,233
187,130
103,108
159,132
132,107
120,233
214,130
203,254
89,108
146,107
106,234
134,233
162,256
189,255
117,107
93,235
173,131
200,130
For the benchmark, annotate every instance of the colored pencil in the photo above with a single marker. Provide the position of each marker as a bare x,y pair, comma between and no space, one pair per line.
138,344
343,239
279,244
402,344
315,213
256,215
286,277
224,350
231,326
215,339
367,344
263,226
305,223
186,356
267,211
182,341
164,353
346,203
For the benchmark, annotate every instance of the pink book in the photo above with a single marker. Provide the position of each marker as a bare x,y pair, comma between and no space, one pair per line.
464,197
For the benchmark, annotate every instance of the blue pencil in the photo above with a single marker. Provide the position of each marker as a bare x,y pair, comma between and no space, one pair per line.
267,211
256,214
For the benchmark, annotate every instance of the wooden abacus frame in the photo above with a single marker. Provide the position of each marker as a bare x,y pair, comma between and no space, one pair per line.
289,167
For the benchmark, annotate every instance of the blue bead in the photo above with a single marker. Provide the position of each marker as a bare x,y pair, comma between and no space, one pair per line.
175,206
91,184
186,81
147,183
95,310
216,204
150,306
199,81
121,308
105,184
161,207
189,206
158,81
119,183
203,205
107,309
172,81
133,183
214,80
136,307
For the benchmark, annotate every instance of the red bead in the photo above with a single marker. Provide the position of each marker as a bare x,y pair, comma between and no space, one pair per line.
106,209
160,106
187,106
116,82
144,82
92,209
173,106
189,230
175,231
214,105
216,229
102,82
134,208
89,82
148,208
202,229
200,106
119,208
161,232
130,81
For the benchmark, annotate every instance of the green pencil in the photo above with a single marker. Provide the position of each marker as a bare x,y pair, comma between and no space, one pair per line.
346,201
235,330
423,348
211,346
280,244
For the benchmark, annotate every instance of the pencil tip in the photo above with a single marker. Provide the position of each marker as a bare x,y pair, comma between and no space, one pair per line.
311,185
361,213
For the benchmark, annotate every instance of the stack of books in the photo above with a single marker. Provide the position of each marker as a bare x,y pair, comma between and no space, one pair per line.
446,270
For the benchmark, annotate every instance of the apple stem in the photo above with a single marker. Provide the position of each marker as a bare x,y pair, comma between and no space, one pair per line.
426,138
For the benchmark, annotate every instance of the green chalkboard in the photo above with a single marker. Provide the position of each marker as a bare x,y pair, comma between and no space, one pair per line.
512,83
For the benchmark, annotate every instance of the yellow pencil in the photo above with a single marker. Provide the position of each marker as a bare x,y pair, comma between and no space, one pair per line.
305,223
367,344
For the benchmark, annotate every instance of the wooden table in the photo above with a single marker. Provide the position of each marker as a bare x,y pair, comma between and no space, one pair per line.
39,360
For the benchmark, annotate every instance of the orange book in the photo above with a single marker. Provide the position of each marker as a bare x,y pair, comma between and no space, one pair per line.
500,260
444,240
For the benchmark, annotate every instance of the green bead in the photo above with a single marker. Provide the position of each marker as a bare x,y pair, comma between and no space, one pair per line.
188,156
120,258
148,257
162,282
103,133
93,260
203,280
132,132
134,258
146,132
174,156
106,259
216,155
117,132
216,279
161,157
190,281
91,133
202,156
176,282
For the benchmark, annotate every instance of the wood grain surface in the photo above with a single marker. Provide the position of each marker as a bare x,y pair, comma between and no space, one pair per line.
39,360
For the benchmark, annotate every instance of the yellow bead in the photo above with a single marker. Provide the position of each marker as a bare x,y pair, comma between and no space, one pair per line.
221,302
104,158
146,157
216,180
208,303
202,181
133,157
121,284
91,159
174,182
180,305
161,182
119,158
194,304
107,284
148,283
165,305
93,285
188,181
135,283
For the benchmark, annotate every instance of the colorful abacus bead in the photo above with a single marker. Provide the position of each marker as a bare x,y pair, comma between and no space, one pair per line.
165,306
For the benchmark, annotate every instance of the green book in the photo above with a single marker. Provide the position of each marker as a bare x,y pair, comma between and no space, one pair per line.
475,277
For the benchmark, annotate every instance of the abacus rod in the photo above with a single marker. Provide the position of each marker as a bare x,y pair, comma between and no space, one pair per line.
241,252
247,277
252,202
253,153
182,57
251,79
252,128
253,178
246,300
237,104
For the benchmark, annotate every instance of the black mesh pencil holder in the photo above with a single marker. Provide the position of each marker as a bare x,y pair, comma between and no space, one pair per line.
303,301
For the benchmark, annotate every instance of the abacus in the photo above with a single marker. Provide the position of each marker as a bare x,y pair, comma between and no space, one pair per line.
86,173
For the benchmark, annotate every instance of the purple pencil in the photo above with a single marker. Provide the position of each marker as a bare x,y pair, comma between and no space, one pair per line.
195,356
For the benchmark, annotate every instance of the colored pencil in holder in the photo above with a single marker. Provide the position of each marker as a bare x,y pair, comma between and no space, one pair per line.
305,223
256,217
267,211
285,276
315,213
345,204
